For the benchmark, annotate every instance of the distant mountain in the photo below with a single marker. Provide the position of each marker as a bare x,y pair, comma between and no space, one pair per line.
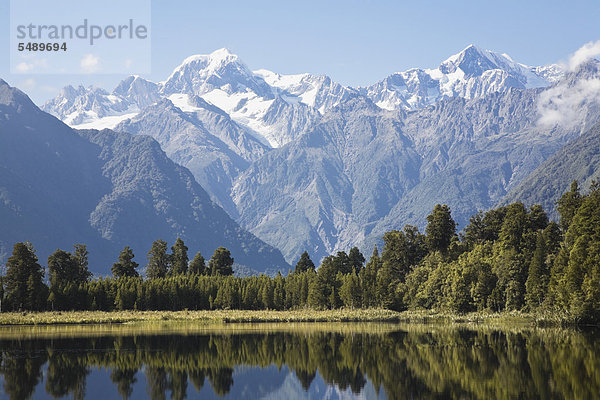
203,139
308,164
363,171
107,190
470,74
279,108
320,92
578,160
222,79
95,108
326,189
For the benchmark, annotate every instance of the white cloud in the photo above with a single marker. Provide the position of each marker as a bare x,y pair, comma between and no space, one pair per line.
584,53
90,63
565,104
128,63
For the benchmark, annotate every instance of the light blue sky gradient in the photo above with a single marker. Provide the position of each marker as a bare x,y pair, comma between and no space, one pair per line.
354,42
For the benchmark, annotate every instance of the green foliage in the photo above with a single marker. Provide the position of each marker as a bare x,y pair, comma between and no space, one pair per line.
125,267
179,258
221,262
23,286
568,205
81,259
197,265
356,259
539,275
159,262
440,229
402,251
304,263
511,258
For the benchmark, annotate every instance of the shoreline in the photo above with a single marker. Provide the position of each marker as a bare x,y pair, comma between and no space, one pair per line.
268,316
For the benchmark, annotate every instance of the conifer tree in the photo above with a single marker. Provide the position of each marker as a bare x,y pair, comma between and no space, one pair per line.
357,260
179,258
221,262
24,288
62,268
158,260
568,204
350,291
536,285
304,263
81,259
197,266
125,266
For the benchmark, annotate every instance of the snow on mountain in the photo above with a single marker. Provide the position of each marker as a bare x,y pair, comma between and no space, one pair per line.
95,108
223,80
279,108
470,74
201,74
202,138
315,91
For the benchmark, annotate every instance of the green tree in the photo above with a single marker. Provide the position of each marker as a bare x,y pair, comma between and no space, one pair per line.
198,265
125,266
304,263
514,226
62,268
357,260
440,228
568,204
221,262
179,258
23,281
538,219
158,260
402,251
81,259
369,279
350,291
536,285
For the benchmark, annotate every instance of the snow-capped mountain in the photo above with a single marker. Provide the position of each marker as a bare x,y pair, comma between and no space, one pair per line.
470,74
222,79
90,107
305,163
320,92
279,108
138,91
202,138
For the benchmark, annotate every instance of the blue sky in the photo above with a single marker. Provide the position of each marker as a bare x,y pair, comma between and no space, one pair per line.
354,42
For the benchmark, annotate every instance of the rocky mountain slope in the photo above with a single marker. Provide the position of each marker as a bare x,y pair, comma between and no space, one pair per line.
578,160
107,190
308,164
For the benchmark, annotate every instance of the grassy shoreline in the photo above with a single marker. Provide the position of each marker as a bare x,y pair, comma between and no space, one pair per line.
248,316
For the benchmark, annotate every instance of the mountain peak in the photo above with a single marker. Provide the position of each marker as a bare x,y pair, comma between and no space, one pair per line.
474,61
213,60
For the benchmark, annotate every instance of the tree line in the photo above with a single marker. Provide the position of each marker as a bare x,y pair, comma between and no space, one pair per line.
508,258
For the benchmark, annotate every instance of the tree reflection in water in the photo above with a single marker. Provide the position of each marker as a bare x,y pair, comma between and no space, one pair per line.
411,361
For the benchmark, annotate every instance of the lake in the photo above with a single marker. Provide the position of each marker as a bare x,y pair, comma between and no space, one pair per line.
298,361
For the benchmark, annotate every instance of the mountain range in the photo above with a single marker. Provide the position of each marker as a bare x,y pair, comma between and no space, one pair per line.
306,163
59,186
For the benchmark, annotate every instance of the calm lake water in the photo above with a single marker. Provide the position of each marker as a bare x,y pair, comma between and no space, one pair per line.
290,361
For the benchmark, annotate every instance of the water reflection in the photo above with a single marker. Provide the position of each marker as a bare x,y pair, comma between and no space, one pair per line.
393,361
